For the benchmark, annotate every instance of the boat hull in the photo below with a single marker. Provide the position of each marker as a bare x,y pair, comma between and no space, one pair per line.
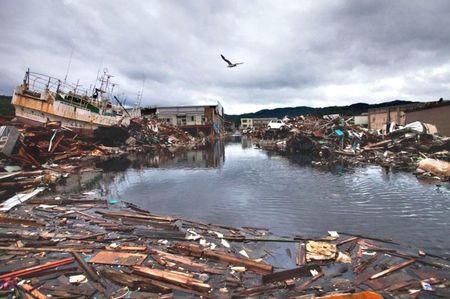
36,111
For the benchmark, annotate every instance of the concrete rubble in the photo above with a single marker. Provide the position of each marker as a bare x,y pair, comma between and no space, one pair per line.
330,141
85,246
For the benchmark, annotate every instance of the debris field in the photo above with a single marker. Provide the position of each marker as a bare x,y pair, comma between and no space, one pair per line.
85,246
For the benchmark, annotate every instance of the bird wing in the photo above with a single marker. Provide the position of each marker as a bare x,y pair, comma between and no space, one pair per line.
239,63
226,60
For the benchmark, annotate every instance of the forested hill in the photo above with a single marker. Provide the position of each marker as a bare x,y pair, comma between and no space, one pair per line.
6,108
354,109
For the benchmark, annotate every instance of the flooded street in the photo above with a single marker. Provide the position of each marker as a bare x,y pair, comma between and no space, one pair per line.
238,185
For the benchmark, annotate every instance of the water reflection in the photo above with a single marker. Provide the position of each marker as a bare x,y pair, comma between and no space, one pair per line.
212,156
255,188
209,156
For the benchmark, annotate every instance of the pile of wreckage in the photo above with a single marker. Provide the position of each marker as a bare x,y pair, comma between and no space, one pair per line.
33,156
83,246
145,133
414,146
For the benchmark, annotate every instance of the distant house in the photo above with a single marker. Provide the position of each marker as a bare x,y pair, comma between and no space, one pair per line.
435,113
253,123
208,119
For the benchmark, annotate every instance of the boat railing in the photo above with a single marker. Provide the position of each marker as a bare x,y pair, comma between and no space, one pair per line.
38,83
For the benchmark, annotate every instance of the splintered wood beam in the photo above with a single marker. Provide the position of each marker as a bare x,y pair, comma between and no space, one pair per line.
174,277
392,269
38,268
196,250
301,255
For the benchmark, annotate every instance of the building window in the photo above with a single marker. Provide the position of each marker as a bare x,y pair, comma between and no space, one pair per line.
181,120
192,118
203,119
244,120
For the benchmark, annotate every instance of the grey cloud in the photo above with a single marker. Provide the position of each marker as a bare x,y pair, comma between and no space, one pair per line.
295,52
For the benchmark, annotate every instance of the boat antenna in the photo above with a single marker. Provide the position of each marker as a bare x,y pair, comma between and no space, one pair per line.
98,73
122,106
142,91
68,65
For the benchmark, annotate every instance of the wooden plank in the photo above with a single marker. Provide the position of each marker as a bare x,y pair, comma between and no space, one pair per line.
196,250
370,238
34,292
88,270
173,277
258,290
392,269
126,248
91,274
364,264
307,283
5,175
28,222
118,258
45,249
136,215
185,261
351,239
134,281
300,259
291,273
46,266
141,281
160,234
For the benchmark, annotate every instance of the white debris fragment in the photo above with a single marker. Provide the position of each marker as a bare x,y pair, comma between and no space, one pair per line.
225,243
244,253
78,279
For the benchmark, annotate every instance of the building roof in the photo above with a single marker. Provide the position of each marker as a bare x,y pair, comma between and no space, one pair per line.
187,106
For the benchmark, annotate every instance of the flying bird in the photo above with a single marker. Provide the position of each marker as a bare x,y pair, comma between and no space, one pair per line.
230,64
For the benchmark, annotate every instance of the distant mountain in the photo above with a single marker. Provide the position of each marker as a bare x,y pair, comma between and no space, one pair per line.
6,108
353,109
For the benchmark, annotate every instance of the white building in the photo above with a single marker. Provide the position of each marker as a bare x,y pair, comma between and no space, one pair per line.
250,123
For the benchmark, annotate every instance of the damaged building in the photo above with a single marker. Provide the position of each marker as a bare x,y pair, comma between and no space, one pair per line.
199,119
435,113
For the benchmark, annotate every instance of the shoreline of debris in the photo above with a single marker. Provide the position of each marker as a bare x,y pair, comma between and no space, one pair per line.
414,147
83,245
41,156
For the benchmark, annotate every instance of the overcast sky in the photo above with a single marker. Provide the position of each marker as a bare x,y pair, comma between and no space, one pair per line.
312,53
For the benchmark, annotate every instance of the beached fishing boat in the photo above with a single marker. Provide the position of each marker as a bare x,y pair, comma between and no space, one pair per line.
41,98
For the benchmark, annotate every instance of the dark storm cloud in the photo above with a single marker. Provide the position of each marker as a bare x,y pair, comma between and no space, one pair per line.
313,53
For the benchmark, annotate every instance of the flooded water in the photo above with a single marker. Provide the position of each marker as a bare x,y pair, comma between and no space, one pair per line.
238,185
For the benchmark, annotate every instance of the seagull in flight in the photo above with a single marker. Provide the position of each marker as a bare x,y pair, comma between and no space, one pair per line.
230,64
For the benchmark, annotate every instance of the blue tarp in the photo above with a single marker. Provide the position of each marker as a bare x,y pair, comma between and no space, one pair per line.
339,132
